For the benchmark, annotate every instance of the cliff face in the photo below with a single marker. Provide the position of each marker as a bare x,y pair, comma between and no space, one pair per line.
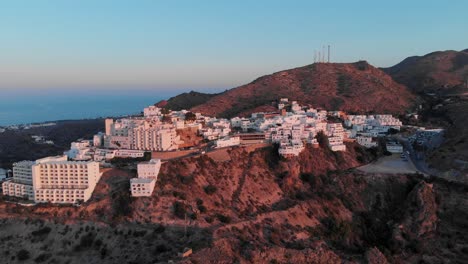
354,87
254,207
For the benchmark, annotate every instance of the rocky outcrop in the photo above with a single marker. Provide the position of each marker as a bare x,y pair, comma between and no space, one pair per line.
374,256
420,218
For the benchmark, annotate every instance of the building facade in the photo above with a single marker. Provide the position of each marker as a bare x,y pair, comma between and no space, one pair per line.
57,180
147,176
21,185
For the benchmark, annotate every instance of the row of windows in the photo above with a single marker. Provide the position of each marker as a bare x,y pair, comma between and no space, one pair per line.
38,196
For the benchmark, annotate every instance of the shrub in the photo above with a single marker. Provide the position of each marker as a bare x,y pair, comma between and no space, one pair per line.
161,248
43,257
179,209
322,139
210,189
202,208
86,241
223,218
41,232
23,254
309,178
159,229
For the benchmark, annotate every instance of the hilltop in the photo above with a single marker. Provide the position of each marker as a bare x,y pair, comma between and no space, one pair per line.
185,100
353,87
444,71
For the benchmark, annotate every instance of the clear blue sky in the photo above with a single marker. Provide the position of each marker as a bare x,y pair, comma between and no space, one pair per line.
209,44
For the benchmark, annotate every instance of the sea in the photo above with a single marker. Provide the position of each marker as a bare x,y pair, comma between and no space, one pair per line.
25,107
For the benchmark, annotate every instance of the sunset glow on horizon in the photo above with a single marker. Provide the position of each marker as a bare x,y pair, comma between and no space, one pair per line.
207,45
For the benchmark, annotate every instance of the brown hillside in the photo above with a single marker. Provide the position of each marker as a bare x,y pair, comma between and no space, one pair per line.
354,87
441,70
185,100
255,208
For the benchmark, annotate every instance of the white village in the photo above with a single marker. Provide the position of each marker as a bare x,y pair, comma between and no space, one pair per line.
72,177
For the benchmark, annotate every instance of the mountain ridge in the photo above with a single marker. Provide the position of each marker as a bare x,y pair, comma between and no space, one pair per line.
356,87
443,71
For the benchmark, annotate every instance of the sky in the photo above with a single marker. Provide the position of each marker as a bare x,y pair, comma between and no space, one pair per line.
208,45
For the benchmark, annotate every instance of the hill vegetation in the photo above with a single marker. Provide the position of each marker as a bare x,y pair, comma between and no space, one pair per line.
353,87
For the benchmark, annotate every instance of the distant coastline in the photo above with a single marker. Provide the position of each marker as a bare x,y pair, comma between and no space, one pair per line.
33,109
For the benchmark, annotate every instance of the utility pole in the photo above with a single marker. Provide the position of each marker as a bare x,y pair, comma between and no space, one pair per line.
328,53
185,225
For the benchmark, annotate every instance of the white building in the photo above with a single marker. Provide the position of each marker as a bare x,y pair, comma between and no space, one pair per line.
147,177
149,169
336,143
3,174
98,140
289,150
57,180
157,138
141,134
227,142
21,184
394,147
80,150
141,187
151,111
366,141
336,135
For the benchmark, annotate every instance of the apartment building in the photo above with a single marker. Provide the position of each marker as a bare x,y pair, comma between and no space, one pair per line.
140,134
227,142
158,138
147,177
366,141
21,184
151,111
57,180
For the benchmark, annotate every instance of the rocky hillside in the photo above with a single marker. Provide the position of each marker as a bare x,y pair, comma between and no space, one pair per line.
354,87
445,71
252,208
185,100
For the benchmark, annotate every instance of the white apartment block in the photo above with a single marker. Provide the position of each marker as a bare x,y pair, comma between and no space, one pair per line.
141,187
80,150
336,143
140,134
394,147
3,174
147,177
21,185
159,138
227,142
289,150
152,111
366,141
57,180
98,140
149,169
376,124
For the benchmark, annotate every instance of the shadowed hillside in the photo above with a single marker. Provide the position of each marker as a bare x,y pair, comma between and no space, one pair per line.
445,71
185,100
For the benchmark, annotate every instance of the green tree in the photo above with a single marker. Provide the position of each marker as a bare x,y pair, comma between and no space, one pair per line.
189,116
